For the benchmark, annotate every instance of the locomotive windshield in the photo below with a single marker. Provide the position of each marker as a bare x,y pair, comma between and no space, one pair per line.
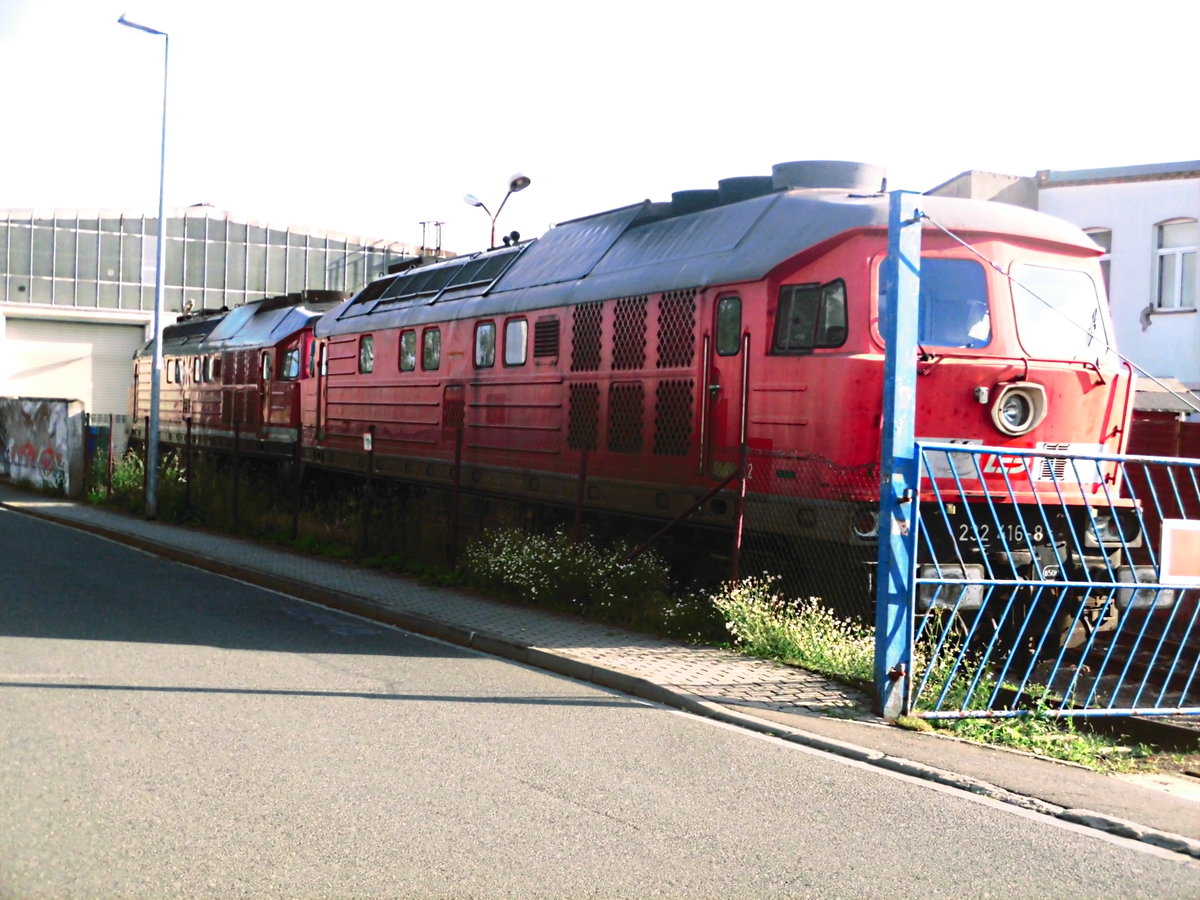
953,305
1058,313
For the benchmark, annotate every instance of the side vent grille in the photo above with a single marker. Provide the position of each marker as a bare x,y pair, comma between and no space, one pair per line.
677,329
545,338
625,405
585,338
583,418
673,418
629,334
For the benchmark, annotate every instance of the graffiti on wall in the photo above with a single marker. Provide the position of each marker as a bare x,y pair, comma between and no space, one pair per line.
35,442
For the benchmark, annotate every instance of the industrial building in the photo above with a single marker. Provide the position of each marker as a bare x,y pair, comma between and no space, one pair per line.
77,287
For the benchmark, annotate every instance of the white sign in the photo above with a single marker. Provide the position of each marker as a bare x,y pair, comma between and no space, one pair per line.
1180,551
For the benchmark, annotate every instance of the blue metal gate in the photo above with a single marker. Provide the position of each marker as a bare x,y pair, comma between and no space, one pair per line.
1071,585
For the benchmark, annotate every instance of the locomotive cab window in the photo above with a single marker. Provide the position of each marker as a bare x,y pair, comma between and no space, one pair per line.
289,369
515,333
408,351
953,305
431,349
265,367
1059,313
366,353
485,345
810,316
729,325
197,369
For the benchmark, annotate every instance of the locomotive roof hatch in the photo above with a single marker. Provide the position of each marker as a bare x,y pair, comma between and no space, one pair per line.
650,247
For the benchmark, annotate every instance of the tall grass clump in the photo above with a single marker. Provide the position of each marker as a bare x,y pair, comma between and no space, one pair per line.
804,633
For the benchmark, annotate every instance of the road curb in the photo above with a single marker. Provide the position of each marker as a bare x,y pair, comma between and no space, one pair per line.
625,682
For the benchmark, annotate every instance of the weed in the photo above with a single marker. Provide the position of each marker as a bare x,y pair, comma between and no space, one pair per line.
801,633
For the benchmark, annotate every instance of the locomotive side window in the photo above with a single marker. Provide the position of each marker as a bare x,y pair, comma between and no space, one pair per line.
265,368
408,351
515,333
485,345
431,349
366,353
810,316
729,325
197,370
310,365
289,369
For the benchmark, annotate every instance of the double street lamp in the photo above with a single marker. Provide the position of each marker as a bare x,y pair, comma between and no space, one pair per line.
517,182
159,267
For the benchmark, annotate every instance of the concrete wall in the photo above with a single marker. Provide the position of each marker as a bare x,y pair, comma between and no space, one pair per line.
41,443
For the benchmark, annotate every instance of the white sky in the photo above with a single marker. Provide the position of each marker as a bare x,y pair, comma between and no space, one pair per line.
369,116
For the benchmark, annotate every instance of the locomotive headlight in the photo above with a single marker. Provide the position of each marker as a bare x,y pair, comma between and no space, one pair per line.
1019,408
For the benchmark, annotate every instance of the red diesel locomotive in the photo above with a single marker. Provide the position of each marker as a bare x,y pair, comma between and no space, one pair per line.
635,352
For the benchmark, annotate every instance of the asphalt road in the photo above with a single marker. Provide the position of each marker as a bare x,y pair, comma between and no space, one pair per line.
165,732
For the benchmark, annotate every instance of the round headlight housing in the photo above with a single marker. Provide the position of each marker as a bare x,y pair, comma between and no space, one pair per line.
865,523
1018,408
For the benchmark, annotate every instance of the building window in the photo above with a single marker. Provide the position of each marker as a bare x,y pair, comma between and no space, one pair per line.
366,354
431,350
1176,270
1103,237
408,351
485,345
515,333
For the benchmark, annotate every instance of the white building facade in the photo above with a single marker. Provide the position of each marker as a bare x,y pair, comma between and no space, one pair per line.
1148,218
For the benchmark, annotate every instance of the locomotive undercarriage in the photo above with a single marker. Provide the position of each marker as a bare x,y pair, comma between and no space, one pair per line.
1045,575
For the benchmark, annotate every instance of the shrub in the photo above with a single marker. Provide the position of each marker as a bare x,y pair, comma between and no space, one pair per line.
555,572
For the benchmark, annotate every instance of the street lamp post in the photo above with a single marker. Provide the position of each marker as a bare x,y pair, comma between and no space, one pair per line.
159,267
518,182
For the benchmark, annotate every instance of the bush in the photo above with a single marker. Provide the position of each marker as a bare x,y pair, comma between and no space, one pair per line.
555,572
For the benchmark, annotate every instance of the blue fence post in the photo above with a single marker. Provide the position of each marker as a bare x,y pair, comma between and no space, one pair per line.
898,462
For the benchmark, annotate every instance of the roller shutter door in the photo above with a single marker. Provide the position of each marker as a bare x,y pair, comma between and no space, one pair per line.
71,360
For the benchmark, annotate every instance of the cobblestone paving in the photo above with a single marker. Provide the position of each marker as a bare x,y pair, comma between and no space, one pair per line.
719,676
